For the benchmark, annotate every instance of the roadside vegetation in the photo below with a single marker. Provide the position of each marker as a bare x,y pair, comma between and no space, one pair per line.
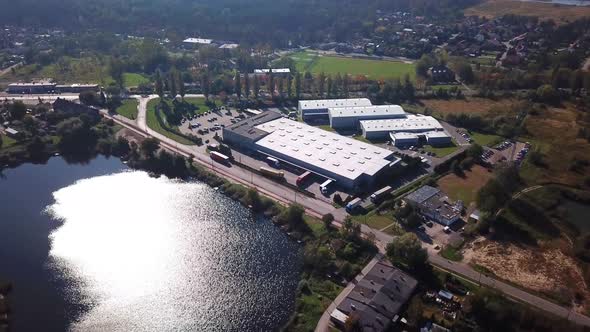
128,108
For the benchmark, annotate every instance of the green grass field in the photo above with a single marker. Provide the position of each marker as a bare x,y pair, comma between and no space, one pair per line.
442,151
128,109
153,123
486,139
200,103
66,70
134,79
331,65
7,141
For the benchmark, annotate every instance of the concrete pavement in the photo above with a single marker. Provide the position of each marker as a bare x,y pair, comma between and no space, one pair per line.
318,208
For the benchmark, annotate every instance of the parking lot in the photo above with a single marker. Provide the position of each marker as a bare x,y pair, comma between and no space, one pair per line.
207,124
506,151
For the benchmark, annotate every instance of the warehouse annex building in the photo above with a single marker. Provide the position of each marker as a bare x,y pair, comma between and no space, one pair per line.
349,117
317,110
408,130
351,163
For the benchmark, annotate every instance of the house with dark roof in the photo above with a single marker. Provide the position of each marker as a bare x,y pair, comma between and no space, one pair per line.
377,299
434,204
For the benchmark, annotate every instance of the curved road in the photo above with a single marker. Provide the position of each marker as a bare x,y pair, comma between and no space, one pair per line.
318,208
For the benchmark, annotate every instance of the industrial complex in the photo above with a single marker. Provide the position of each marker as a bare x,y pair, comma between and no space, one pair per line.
377,122
351,163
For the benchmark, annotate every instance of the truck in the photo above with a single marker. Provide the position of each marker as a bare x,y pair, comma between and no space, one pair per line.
379,194
352,205
274,162
325,186
301,179
272,173
218,157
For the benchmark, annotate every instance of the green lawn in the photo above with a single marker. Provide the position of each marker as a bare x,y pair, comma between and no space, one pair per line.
374,69
451,253
153,123
67,70
134,79
374,220
486,139
128,109
442,151
200,103
7,141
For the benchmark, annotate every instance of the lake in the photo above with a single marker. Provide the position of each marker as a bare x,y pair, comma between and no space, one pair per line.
98,247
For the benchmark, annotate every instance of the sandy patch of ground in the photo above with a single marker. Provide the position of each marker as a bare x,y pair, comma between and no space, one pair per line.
547,271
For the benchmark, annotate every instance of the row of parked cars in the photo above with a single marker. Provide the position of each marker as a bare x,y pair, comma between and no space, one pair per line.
522,153
504,145
465,135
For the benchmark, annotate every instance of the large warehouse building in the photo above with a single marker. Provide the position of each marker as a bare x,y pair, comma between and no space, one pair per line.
407,130
314,110
349,117
351,163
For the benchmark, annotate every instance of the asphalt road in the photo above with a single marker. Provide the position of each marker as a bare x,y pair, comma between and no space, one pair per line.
318,208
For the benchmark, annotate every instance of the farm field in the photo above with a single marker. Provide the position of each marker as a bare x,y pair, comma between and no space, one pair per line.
544,11
465,188
332,65
480,106
554,131
128,109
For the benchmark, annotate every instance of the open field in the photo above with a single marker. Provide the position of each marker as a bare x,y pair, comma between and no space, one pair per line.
332,65
480,106
7,141
128,109
442,151
545,11
547,271
555,132
153,123
134,80
66,70
485,139
465,188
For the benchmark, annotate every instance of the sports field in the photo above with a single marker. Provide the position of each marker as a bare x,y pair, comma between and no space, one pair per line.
332,65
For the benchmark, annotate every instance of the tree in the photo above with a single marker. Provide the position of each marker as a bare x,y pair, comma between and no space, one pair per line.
159,84
149,146
329,87
456,168
321,82
290,86
181,87
346,85
298,85
172,84
338,199
1,142
88,98
407,249
17,110
271,83
413,220
238,85
256,86
246,85
547,94
423,65
474,151
327,220
465,72
206,85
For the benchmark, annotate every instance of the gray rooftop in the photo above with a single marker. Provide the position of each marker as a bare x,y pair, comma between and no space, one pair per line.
247,127
421,194
329,103
379,296
340,155
366,111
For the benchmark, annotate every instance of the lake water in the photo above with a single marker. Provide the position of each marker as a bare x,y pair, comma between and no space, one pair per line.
97,247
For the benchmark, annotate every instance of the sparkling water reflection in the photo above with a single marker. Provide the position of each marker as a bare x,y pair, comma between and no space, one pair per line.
146,254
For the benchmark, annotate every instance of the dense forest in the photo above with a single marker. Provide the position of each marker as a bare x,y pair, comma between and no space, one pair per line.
274,21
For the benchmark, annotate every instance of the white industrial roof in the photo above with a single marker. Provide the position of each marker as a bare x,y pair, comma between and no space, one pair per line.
436,134
373,110
411,123
337,154
198,41
330,103
404,135
274,70
229,46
